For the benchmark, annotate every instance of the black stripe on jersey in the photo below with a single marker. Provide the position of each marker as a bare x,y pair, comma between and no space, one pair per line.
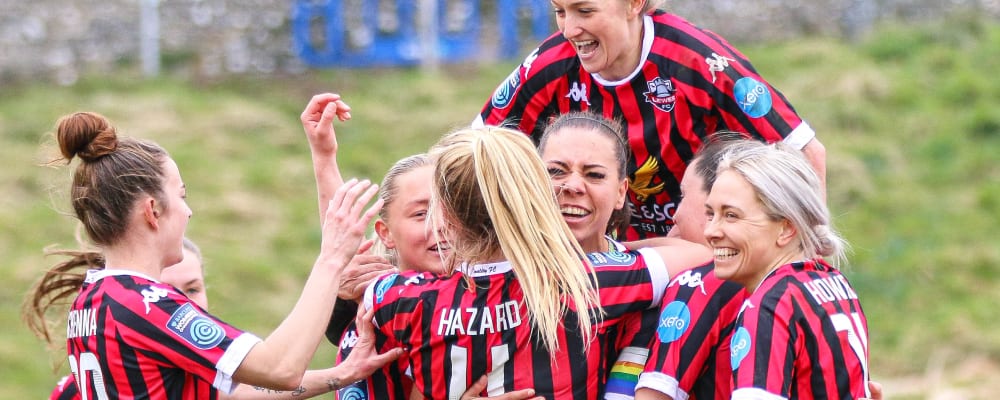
426,360
556,73
762,337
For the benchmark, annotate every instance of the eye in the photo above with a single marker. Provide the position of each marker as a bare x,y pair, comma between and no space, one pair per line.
709,214
559,12
731,215
554,171
191,291
586,11
597,175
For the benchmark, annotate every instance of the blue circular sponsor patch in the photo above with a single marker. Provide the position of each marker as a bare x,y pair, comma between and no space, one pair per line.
352,393
383,286
505,92
674,320
753,97
739,347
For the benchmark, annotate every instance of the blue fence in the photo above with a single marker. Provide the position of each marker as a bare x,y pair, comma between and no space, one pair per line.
329,33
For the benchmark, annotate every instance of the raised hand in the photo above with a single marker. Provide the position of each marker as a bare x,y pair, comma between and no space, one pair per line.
317,121
346,221
362,270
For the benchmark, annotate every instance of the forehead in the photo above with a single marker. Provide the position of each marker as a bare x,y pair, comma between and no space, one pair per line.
731,188
574,140
414,186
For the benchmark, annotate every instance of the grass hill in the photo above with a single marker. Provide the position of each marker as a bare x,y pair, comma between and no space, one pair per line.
909,117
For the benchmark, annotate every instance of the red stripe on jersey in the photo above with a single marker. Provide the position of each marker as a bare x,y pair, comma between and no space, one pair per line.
459,333
114,337
807,336
697,359
695,68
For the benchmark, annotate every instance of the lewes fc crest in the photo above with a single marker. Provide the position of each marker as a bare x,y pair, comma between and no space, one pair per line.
661,94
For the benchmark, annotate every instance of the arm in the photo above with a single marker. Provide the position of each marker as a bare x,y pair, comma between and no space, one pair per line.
681,255
815,152
650,394
362,362
317,121
280,360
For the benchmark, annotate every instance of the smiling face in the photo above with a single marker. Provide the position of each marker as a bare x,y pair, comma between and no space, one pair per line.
607,34
590,186
747,242
405,227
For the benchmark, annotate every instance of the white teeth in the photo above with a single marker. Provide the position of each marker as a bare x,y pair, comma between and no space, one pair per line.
722,253
576,211
586,45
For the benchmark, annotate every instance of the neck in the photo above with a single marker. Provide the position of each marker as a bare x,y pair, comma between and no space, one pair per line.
133,258
597,244
783,259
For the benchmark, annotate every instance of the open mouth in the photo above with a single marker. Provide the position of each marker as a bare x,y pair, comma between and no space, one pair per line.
443,246
573,211
586,47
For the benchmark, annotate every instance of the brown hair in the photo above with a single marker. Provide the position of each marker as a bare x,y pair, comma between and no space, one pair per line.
113,173
611,128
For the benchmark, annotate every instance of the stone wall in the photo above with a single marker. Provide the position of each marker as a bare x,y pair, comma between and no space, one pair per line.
60,40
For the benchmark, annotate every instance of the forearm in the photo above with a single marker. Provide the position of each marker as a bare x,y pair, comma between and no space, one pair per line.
282,358
314,383
815,152
328,179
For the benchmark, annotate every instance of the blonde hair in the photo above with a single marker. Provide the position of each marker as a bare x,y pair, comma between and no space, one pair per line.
496,196
388,192
790,190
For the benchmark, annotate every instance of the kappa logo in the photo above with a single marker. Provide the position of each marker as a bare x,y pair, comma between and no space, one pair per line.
717,63
752,96
528,61
690,279
578,93
505,92
661,94
153,294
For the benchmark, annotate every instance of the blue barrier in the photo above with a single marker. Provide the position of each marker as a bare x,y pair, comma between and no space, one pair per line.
325,33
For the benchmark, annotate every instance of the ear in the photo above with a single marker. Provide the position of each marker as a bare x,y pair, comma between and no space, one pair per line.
622,194
635,7
382,230
151,212
788,233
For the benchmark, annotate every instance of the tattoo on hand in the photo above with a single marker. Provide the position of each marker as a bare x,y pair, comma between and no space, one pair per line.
334,384
297,392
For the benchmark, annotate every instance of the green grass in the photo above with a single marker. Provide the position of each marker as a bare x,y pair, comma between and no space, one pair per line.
909,118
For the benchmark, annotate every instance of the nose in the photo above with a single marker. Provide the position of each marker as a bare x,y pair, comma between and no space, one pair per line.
712,230
571,26
571,185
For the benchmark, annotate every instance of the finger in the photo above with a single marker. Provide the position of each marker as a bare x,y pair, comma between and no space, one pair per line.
477,387
365,246
316,105
329,111
343,110
363,199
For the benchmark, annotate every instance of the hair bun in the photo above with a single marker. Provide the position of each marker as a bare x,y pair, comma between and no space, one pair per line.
87,135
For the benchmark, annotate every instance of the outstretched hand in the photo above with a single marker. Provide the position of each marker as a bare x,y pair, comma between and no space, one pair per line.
362,270
364,358
346,221
317,121
480,385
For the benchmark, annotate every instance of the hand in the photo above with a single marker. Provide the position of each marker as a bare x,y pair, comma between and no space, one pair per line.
480,385
364,359
361,271
344,224
317,120
876,389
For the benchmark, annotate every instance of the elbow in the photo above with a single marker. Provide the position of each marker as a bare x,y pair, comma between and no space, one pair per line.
287,380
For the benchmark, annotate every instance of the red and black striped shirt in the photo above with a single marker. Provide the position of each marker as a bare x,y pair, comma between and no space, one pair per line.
65,389
689,355
457,333
801,335
129,336
689,84
389,383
